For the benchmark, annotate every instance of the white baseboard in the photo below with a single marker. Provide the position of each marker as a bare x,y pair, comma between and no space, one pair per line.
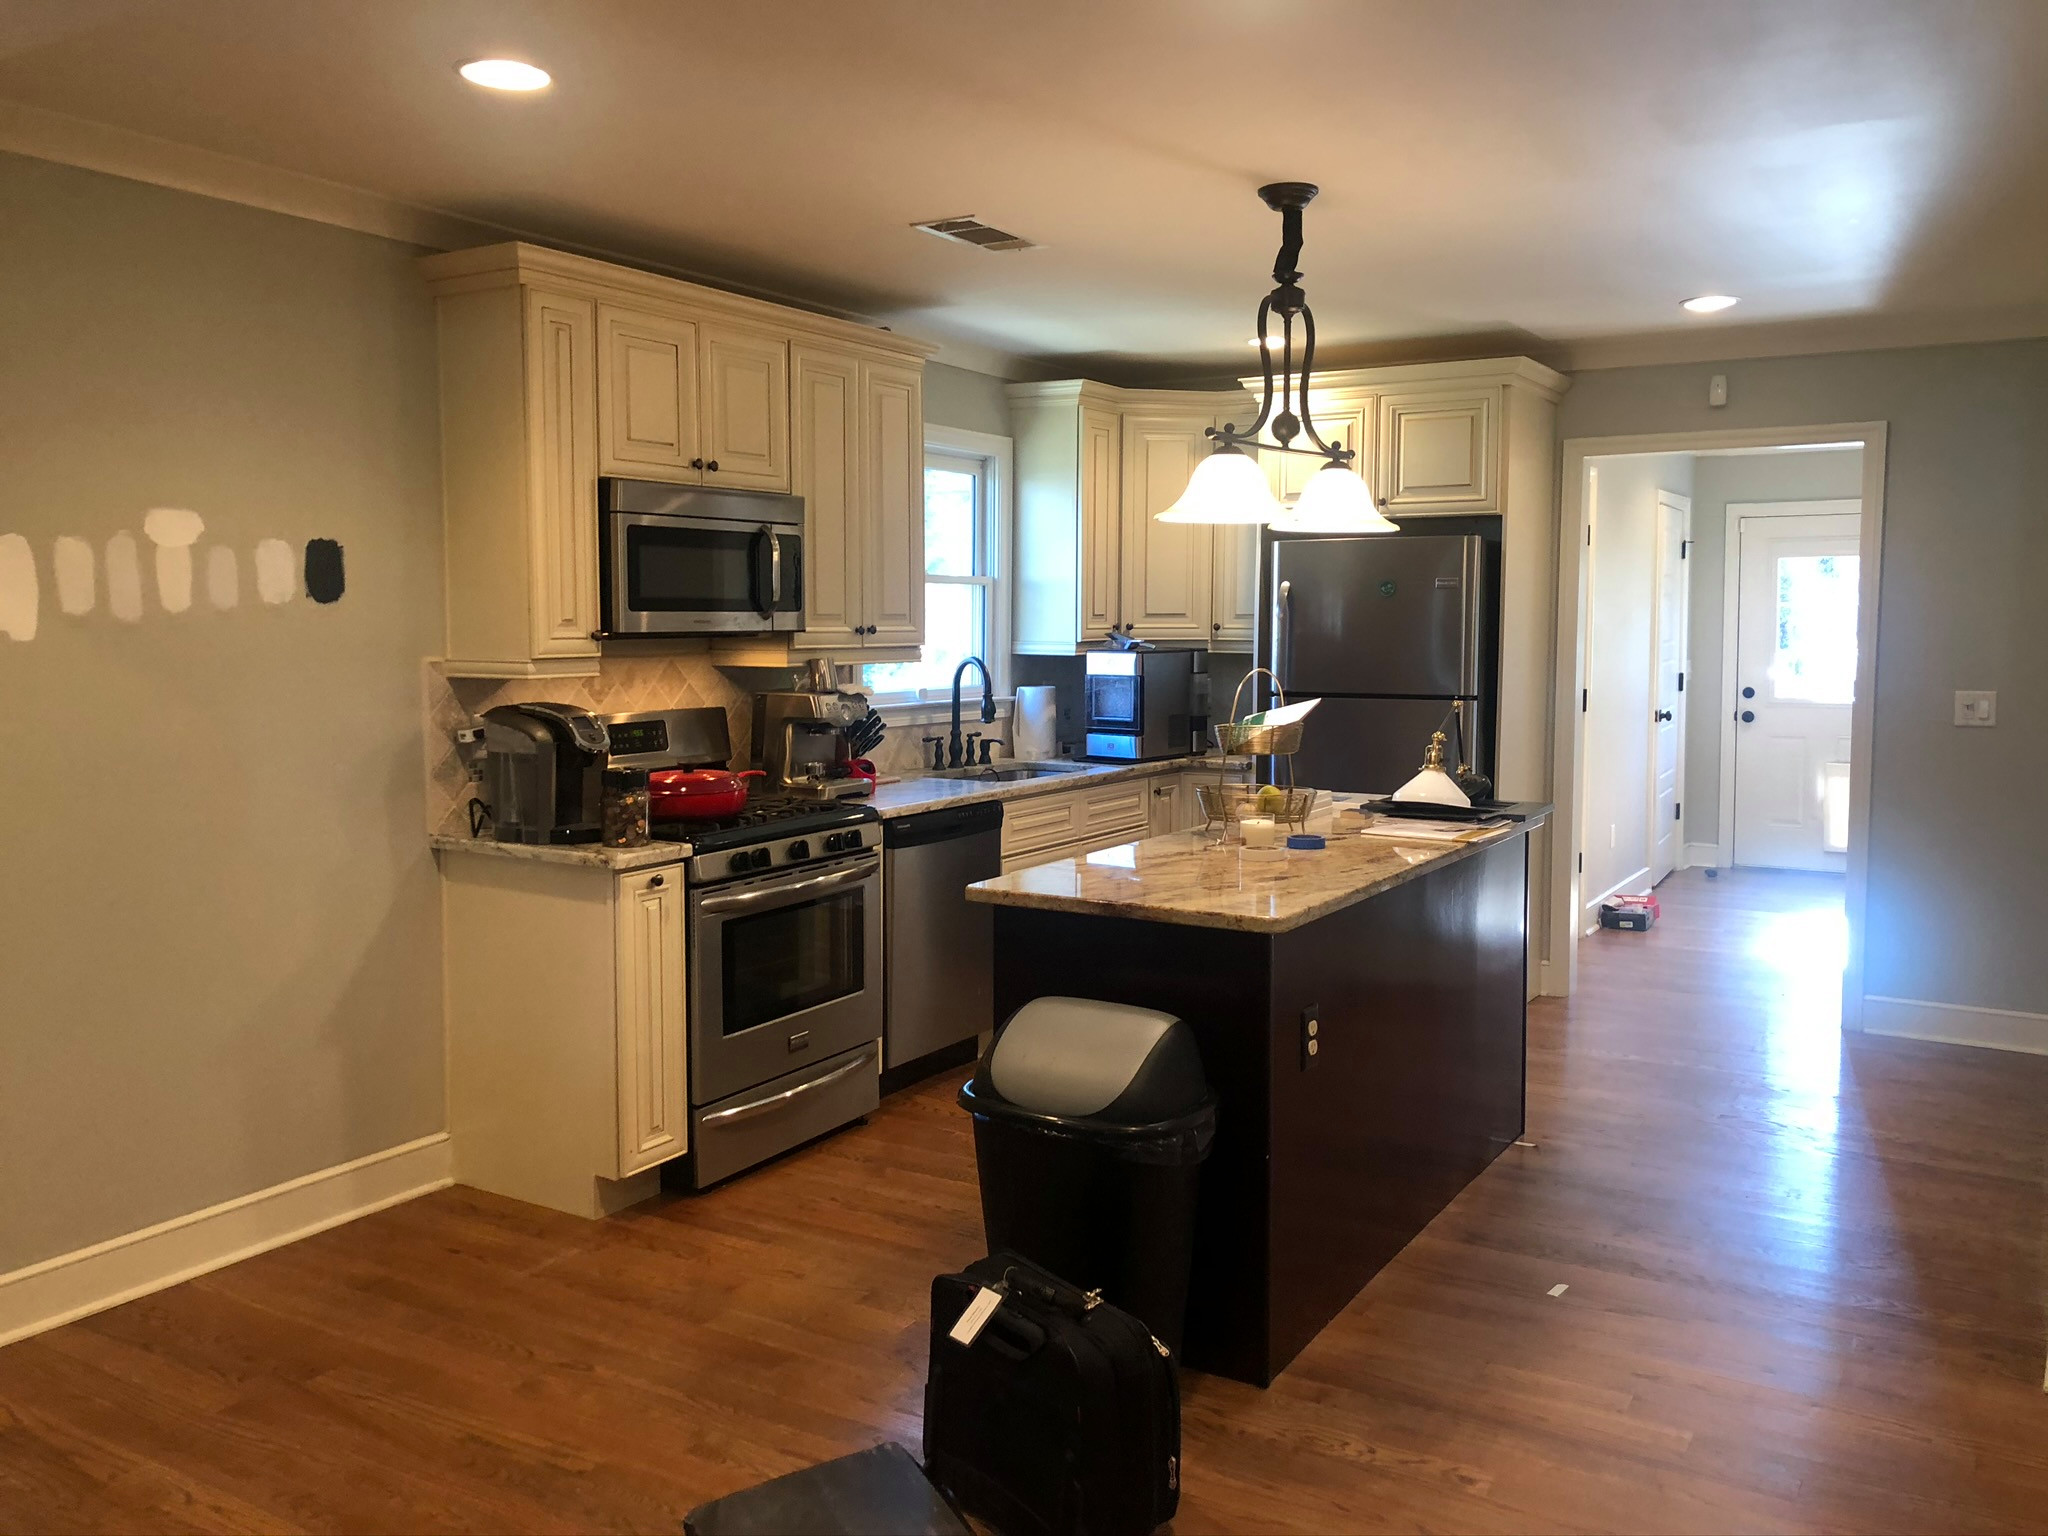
73,1285
1999,1029
1702,856
1634,884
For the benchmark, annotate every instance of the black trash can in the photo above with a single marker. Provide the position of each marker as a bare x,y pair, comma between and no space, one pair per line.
1091,1121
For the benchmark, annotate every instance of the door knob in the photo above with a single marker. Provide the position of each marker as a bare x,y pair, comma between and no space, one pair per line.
1663,714
1748,716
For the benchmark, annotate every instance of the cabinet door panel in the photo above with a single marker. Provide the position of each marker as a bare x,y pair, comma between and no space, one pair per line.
746,409
646,395
561,440
1166,566
654,1107
892,582
1436,452
1234,600
1114,812
1041,822
1101,522
826,472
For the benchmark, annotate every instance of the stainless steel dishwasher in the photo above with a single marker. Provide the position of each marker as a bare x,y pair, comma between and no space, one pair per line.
941,946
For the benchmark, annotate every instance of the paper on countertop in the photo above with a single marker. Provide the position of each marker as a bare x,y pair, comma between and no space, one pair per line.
1408,829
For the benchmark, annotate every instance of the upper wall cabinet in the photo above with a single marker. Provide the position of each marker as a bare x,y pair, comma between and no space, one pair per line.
1094,464
556,369
1344,423
1437,451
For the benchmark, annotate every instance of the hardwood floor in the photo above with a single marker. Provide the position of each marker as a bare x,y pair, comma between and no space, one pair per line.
1805,1288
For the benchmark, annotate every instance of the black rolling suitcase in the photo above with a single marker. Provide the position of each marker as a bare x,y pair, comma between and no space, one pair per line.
1060,1417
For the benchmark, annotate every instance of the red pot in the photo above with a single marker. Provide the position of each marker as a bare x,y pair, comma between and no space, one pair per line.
697,794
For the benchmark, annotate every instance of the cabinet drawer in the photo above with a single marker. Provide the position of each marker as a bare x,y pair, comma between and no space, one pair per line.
1115,808
1044,821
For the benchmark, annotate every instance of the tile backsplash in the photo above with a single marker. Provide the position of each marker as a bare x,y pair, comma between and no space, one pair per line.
622,684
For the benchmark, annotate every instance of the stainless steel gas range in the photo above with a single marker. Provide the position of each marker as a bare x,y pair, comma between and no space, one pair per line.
783,951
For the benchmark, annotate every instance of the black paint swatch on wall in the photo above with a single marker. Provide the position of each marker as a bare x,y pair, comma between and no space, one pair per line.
325,578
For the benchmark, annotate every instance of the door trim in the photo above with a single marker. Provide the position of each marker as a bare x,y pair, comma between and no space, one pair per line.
1558,972
1651,822
1731,581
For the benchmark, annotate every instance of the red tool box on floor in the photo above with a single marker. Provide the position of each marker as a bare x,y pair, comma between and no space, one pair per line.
1630,913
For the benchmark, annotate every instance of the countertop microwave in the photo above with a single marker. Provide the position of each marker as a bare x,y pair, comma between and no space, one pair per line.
693,560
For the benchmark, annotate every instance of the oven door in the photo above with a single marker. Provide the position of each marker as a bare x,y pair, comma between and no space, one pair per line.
679,575
785,969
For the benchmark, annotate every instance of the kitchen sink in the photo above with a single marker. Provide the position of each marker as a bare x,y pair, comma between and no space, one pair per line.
1007,773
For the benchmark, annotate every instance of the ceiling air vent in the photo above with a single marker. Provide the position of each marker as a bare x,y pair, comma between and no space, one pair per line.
969,230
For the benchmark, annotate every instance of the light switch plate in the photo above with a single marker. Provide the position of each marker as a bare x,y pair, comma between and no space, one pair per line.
1976,706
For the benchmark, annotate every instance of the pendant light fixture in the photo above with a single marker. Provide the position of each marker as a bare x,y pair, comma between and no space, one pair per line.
1229,486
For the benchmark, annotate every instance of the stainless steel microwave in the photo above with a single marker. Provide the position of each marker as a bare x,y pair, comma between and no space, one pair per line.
690,560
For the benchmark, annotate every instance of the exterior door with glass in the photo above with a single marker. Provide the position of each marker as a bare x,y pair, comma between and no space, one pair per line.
1795,685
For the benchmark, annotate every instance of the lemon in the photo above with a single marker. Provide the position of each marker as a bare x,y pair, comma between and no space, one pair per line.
1270,800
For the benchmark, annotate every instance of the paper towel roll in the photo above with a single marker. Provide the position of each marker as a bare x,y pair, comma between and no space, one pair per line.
1032,734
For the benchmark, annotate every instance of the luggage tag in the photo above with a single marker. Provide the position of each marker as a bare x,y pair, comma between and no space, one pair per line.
976,1316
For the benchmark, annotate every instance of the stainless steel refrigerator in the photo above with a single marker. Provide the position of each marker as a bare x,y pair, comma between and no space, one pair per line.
1388,631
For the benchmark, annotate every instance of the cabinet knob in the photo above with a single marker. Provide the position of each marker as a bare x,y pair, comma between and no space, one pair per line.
712,465
656,881
696,463
1216,628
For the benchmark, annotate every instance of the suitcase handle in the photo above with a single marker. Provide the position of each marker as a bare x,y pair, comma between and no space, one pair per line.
1049,1292
1013,1337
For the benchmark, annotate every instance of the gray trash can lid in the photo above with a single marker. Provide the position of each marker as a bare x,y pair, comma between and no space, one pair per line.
1074,1056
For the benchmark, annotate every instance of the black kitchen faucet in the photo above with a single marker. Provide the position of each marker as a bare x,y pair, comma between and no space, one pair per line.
988,707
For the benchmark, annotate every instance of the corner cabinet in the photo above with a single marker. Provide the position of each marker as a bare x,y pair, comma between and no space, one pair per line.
1094,467
556,369
567,1028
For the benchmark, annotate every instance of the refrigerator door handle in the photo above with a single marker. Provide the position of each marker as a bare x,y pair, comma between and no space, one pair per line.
1283,609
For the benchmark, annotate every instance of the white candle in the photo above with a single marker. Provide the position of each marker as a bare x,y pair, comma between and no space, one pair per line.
1258,831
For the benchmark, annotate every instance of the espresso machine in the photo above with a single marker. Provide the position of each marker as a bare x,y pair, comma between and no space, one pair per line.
802,743
544,775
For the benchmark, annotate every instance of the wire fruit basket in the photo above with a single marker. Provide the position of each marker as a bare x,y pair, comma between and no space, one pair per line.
1225,803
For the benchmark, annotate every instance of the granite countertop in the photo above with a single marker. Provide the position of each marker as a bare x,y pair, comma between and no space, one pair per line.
589,855
910,795
1204,880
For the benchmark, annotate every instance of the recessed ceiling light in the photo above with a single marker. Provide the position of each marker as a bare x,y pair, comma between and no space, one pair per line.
1711,303
504,75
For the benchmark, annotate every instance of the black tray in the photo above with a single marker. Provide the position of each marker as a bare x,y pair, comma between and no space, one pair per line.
1483,810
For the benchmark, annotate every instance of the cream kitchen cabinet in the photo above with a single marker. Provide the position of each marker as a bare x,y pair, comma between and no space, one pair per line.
1234,589
1068,823
567,1028
557,368
859,465
697,404
1437,450
1093,465
1346,423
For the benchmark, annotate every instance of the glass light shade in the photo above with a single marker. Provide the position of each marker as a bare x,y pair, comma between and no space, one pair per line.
1226,487
1335,500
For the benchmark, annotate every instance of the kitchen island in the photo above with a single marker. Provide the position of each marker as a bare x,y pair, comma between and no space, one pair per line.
1360,1012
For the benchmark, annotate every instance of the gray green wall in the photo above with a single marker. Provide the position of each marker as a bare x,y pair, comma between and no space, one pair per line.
1717,480
962,398
219,921
1957,897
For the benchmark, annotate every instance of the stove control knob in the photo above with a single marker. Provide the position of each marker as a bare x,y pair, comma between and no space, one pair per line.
799,850
740,863
760,858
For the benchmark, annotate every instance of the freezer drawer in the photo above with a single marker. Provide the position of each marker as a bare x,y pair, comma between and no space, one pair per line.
1378,616
1370,746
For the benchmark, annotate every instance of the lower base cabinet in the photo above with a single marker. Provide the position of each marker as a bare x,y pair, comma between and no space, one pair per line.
567,1029
1066,824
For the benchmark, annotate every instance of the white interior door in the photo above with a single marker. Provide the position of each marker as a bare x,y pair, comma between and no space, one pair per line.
1667,687
1795,679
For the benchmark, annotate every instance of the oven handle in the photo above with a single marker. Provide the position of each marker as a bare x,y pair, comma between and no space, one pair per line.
777,895
762,1106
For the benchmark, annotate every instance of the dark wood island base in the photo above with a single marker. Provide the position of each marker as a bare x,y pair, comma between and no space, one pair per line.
1368,1064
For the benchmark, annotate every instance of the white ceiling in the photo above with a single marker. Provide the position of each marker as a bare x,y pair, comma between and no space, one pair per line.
1493,173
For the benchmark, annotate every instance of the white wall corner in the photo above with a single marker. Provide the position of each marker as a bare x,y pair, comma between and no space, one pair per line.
1998,1029
74,1285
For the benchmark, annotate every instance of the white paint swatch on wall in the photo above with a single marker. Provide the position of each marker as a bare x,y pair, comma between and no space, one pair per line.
277,571
223,577
71,561
173,530
124,578
21,591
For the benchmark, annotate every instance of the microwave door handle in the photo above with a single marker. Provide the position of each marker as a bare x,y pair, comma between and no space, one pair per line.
764,594
771,896
774,569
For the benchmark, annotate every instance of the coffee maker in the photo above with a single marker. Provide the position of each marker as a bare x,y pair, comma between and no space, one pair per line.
545,773
801,741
